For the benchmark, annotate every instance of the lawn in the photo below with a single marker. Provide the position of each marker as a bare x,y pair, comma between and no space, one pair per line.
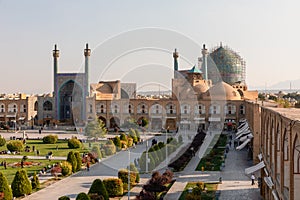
11,170
59,149
209,194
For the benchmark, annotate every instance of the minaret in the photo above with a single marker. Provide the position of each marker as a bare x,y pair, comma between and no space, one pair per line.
55,66
204,63
87,53
175,56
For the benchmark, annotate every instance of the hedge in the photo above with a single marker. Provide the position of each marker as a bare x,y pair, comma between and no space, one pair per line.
72,160
21,185
66,168
74,143
123,175
82,196
98,187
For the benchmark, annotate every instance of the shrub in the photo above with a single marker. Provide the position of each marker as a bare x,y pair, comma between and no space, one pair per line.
133,168
96,150
161,145
138,135
98,187
109,149
50,139
64,198
123,137
96,197
78,161
2,141
192,197
133,135
21,185
66,168
35,183
15,145
82,196
4,187
72,160
74,143
123,175
117,142
169,140
114,186
129,142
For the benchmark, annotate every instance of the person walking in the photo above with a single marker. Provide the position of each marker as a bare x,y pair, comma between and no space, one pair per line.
5,164
88,166
252,179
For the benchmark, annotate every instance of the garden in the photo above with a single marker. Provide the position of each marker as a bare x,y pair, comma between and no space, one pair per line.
199,190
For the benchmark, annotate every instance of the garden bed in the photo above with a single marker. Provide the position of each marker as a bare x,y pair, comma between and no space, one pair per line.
199,190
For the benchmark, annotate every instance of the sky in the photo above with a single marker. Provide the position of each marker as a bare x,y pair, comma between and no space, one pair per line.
133,40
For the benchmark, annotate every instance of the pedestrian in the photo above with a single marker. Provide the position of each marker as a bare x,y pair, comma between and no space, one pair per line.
22,163
252,179
4,164
88,165
37,152
193,151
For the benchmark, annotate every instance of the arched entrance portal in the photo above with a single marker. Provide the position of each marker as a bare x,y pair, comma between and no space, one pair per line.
71,102
171,124
114,122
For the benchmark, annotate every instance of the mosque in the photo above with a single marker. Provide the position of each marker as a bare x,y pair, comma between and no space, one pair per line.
200,98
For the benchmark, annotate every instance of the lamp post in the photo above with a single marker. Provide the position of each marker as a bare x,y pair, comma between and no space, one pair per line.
128,174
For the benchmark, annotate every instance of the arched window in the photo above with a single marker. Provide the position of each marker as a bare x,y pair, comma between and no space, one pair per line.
185,109
91,108
36,105
199,109
230,109
129,108
12,108
116,109
23,108
47,106
142,108
156,109
2,108
171,109
297,155
214,109
286,146
242,109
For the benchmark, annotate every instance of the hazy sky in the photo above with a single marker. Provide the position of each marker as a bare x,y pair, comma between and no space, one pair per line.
266,33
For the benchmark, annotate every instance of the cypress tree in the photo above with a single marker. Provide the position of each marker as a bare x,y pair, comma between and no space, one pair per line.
82,196
78,161
21,185
72,160
98,187
35,183
4,187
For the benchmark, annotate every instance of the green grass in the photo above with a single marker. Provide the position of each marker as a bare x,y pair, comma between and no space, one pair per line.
10,172
59,149
209,194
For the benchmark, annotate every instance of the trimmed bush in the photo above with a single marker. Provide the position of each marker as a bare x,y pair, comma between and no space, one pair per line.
96,197
114,186
132,134
50,139
82,196
74,143
78,161
138,135
35,182
64,198
66,168
142,162
98,187
117,142
72,160
123,137
109,149
4,187
15,145
21,185
129,142
123,175
2,141
133,168
96,150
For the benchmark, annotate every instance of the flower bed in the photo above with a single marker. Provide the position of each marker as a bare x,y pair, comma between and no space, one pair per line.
199,190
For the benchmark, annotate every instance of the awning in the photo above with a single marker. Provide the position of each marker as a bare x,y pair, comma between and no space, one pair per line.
1,115
10,115
249,136
243,134
275,195
214,119
243,145
254,168
21,118
199,118
269,181
185,122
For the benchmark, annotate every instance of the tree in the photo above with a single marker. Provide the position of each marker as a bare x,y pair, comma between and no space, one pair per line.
72,160
35,183
21,185
79,161
64,198
4,187
82,196
98,187
2,141
95,129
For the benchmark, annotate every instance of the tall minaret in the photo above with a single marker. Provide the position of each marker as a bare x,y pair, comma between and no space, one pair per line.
87,53
55,66
204,63
175,56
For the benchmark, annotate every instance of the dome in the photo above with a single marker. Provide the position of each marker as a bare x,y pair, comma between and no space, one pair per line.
222,91
201,88
230,65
